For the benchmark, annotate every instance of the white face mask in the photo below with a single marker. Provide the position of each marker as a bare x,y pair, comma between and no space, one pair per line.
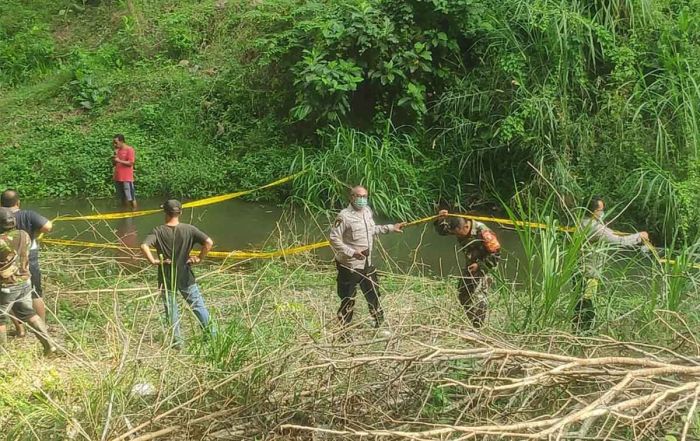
360,202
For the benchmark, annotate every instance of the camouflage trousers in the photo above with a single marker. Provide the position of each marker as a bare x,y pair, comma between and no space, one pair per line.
472,293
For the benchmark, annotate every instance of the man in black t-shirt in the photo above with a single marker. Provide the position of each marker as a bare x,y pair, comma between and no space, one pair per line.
174,241
34,224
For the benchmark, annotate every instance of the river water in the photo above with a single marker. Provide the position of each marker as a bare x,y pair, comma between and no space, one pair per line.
241,225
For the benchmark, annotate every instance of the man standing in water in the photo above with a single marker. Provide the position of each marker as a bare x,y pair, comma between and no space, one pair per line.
15,286
352,238
124,160
174,241
597,236
33,224
482,251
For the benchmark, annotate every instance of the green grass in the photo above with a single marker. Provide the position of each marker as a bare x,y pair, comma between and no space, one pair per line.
276,321
483,101
392,169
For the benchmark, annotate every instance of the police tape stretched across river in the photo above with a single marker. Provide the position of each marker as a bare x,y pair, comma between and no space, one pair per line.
352,240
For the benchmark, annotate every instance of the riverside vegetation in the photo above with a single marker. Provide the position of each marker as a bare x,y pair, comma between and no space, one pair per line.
460,101
530,105
277,369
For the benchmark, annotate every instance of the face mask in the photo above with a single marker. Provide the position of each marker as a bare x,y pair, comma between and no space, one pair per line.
360,202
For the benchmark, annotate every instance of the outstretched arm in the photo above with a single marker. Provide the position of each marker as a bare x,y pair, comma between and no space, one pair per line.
47,227
389,228
606,234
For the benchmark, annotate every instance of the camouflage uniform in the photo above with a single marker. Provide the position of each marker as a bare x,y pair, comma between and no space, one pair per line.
353,231
473,286
15,287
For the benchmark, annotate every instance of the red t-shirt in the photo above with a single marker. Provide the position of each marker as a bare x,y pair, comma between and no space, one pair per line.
125,173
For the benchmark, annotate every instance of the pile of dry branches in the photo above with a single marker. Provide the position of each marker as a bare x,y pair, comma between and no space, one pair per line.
429,383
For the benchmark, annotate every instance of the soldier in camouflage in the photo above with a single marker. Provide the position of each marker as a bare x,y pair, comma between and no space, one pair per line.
482,251
15,285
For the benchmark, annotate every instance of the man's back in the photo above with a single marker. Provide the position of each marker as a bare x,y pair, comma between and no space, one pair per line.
31,222
174,243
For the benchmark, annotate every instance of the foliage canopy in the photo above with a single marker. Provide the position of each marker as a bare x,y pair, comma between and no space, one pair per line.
539,97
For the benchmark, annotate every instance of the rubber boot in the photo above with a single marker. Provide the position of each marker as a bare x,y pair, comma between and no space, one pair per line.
37,325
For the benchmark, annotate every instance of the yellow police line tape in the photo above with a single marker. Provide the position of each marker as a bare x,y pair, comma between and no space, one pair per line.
289,251
192,204
237,254
495,220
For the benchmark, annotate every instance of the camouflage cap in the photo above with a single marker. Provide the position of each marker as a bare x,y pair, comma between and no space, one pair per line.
7,219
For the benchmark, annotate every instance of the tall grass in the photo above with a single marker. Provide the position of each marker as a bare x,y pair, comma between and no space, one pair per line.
277,346
585,92
545,288
541,281
675,277
394,171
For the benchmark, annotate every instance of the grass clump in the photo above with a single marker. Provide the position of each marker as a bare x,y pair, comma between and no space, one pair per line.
278,367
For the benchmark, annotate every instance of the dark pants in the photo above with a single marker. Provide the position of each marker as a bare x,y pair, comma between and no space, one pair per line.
348,279
584,311
472,289
35,272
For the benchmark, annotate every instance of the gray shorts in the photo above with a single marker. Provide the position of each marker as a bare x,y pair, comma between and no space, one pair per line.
125,191
16,302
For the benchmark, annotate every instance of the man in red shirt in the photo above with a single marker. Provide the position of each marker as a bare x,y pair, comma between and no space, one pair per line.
123,160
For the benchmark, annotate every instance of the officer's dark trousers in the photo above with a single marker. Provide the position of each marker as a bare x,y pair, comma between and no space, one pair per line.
472,297
584,311
584,314
35,272
348,280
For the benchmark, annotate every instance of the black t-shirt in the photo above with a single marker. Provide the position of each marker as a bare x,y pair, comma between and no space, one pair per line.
175,243
31,222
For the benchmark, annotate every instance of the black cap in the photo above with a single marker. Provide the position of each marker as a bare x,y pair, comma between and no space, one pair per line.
172,206
7,219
